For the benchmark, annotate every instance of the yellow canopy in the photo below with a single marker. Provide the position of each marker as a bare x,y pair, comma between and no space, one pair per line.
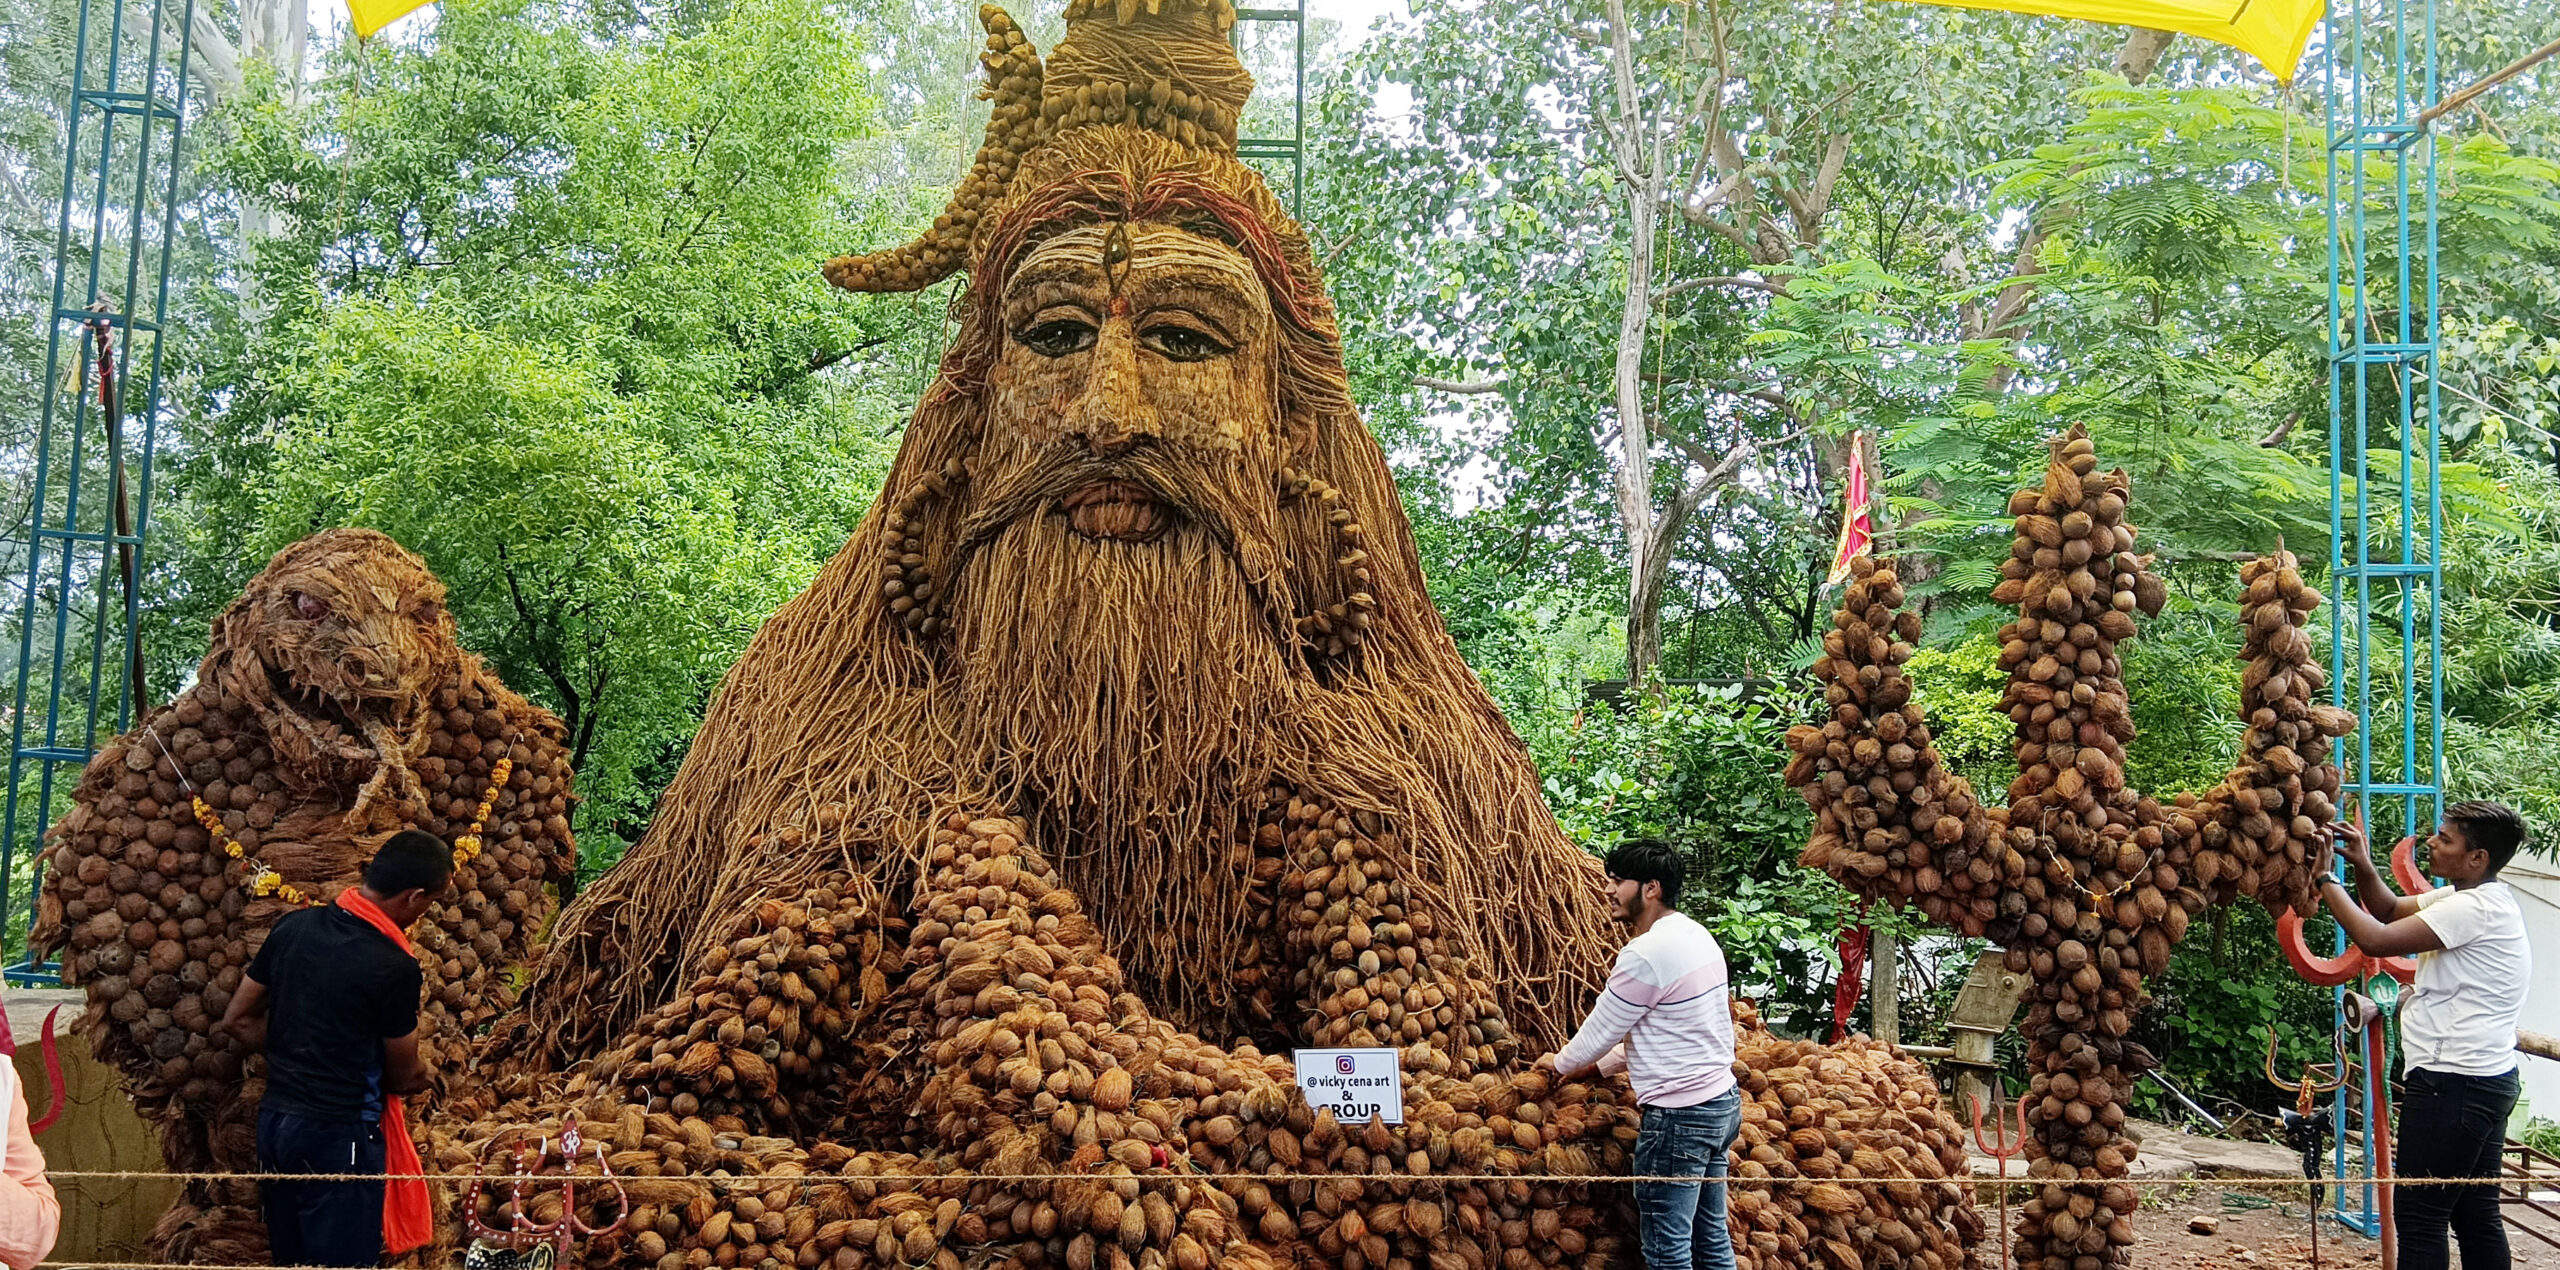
373,15
2272,31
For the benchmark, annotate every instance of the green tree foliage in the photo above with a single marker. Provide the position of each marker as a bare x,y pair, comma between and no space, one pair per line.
1923,228
1486,237
547,312
1700,767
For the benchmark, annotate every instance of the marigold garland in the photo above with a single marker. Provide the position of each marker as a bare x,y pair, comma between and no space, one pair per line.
467,847
264,881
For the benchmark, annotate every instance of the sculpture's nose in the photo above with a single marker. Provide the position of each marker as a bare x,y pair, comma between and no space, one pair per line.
1114,414
365,668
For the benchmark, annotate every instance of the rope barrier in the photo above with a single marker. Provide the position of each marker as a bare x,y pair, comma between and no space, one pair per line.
1048,1177
1409,1179
910,1180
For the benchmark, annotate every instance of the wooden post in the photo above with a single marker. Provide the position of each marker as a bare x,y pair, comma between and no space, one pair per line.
1983,1009
1884,989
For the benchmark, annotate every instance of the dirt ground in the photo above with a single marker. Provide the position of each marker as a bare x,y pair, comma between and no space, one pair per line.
2252,1231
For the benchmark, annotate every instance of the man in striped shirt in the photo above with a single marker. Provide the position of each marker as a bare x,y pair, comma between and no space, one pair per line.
1665,1020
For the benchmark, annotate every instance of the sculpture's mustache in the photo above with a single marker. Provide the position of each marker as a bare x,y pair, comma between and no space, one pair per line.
1159,486
1138,497
1123,510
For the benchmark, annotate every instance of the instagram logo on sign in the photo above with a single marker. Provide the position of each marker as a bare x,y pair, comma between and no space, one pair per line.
1342,1063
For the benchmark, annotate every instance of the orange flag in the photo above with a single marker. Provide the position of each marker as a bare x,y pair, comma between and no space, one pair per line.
1857,515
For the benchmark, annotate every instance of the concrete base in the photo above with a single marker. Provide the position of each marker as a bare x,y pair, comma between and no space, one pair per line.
102,1219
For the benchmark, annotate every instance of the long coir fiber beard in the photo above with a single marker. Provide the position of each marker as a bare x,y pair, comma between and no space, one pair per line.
1126,697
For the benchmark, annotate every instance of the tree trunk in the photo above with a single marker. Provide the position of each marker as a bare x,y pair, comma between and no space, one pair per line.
278,34
2141,53
1647,564
1643,148
1649,560
215,62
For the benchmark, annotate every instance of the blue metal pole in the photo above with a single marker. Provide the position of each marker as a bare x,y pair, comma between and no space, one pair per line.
44,456
2435,449
2364,131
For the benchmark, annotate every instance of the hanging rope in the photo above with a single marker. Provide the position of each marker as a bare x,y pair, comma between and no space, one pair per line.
111,414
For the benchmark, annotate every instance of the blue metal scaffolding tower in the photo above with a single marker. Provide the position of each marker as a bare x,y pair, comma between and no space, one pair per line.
1290,149
79,677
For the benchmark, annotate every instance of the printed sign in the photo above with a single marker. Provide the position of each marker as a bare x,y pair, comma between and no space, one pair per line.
1355,1084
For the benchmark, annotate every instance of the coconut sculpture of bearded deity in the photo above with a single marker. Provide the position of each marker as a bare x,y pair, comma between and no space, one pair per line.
1118,753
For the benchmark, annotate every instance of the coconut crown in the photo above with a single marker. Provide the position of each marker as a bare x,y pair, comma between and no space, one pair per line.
1160,67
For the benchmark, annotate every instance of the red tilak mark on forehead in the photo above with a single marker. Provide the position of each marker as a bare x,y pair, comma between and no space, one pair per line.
1119,306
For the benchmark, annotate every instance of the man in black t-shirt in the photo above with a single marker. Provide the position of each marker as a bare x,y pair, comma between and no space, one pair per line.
340,1000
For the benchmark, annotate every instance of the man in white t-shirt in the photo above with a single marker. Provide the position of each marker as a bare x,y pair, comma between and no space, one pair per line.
1666,1019
2458,1030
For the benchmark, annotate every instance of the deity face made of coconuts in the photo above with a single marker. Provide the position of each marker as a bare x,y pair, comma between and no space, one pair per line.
1129,446
1133,410
1121,337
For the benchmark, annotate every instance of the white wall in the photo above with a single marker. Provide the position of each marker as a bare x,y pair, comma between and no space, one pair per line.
2536,883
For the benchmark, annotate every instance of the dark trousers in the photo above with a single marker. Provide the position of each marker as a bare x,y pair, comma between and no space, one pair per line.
2451,1126
320,1223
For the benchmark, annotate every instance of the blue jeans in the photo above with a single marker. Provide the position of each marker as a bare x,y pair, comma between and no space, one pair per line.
320,1223
1683,1223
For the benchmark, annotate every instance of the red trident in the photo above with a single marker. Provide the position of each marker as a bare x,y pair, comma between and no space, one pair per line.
2001,1148
52,1067
521,1230
2351,966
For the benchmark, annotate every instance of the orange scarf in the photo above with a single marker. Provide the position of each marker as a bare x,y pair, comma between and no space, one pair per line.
408,1220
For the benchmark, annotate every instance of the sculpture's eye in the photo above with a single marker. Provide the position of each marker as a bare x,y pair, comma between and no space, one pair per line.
1057,337
310,606
1183,343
